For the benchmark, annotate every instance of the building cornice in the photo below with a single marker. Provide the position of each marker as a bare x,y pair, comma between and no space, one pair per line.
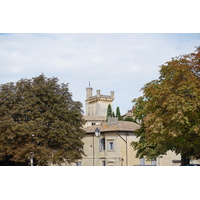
101,98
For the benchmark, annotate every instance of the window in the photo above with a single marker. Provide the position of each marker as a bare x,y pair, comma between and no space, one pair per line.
153,162
93,123
102,144
110,163
103,163
78,163
111,146
142,161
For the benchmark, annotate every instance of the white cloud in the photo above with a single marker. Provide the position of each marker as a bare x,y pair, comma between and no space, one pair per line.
119,62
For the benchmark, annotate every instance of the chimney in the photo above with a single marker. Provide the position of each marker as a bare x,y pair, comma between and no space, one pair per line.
112,120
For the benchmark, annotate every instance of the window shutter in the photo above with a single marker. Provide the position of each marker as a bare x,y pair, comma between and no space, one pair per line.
142,161
100,144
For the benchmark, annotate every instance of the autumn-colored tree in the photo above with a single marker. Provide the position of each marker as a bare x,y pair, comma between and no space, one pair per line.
169,110
145,148
39,117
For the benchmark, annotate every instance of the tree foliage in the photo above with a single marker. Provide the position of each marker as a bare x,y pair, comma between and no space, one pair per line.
169,110
109,112
118,114
129,119
113,114
38,115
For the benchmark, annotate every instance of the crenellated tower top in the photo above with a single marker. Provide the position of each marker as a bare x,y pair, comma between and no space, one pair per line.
97,105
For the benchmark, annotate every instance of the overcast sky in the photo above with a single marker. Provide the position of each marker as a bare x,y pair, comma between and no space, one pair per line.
111,62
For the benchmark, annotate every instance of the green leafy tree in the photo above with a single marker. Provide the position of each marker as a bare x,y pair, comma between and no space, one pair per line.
118,114
38,115
129,119
113,114
169,110
109,112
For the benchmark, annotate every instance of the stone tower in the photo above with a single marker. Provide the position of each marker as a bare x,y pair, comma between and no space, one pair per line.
97,105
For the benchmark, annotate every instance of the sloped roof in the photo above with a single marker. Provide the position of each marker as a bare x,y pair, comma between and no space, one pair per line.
124,126
95,118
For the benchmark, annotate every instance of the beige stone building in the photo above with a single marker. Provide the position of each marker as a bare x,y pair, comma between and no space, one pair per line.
108,143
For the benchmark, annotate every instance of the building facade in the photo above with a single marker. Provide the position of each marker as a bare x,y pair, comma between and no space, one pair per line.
109,143
112,147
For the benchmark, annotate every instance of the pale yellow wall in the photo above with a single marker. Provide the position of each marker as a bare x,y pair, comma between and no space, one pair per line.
112,157
97,108
91,143
166,160
102,107
89,123
118,156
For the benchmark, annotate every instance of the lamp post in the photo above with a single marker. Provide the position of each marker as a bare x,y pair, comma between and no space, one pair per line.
31,158
97,133
31,153
126,147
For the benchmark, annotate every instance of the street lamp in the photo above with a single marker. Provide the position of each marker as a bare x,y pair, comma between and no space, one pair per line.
31,158
31,153
97,132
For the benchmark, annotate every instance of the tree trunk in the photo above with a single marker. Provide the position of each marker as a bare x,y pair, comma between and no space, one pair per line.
185,160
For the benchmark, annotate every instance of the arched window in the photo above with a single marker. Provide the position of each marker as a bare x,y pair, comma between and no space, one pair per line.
102,145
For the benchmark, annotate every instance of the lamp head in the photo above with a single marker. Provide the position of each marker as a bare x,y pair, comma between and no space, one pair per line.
97,132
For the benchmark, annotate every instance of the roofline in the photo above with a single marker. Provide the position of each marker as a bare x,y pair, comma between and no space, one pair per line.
90,132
